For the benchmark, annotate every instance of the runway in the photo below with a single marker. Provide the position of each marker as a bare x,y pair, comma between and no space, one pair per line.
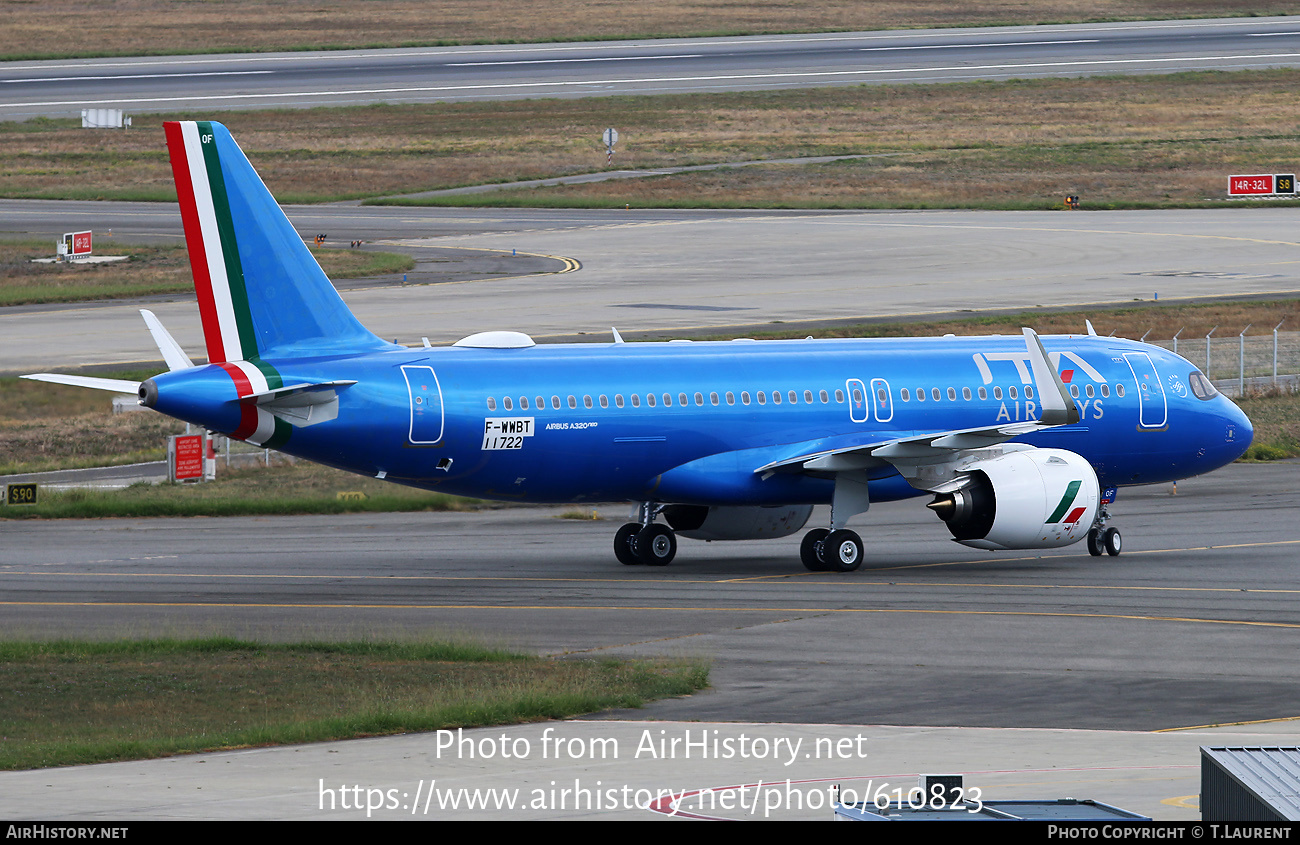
353,77
1196,623
1060,668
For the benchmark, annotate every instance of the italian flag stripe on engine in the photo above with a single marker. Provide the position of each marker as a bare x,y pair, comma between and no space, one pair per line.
1067,499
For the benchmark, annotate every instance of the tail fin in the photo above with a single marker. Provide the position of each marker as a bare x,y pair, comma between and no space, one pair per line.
261,293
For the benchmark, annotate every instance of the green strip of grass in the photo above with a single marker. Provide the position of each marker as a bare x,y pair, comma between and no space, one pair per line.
147,271
298,488
73,702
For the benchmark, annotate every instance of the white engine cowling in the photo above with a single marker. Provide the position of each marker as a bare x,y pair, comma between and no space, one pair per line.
736,523
1032,499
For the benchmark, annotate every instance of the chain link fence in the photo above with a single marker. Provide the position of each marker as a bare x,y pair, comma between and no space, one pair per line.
1242,362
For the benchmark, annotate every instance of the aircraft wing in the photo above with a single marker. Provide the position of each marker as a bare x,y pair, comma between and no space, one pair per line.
929,461
936,461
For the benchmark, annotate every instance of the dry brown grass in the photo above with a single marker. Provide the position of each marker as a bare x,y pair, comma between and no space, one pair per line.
96,439
1116,139
53,28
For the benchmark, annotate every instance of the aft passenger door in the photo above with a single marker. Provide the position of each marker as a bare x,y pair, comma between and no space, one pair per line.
426,405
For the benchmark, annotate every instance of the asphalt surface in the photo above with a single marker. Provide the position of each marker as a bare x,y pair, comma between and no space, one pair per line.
63,87
1037,674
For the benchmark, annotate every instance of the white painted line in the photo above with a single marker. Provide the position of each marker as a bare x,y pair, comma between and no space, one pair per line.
135,76
663,79
569,61
397,53
993,44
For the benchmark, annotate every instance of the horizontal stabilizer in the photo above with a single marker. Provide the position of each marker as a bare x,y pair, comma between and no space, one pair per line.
111,384
301,404
171,350
309,394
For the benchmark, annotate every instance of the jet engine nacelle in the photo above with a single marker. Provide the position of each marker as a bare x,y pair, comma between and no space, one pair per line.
1032,499
736,523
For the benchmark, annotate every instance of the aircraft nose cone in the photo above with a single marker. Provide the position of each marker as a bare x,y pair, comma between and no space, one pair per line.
1238,431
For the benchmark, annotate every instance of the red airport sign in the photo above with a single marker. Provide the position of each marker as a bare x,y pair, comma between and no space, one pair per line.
186,458
78,243
1261,184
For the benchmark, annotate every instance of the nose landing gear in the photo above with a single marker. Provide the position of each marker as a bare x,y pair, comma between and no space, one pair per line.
1102,539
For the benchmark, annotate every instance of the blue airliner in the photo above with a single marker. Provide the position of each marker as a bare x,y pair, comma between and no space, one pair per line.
1020,441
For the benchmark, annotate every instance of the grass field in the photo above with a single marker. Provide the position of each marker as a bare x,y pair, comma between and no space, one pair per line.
64,28
149,270
1114,141
71,703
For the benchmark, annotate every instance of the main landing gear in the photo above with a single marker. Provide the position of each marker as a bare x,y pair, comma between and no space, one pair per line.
1102,539
645,542
823,550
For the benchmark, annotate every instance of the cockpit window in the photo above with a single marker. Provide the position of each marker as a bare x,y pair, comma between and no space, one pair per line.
1202,387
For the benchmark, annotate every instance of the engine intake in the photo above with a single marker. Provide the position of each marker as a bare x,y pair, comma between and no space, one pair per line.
1032,499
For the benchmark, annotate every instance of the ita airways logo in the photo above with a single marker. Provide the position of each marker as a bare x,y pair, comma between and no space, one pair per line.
1063,513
